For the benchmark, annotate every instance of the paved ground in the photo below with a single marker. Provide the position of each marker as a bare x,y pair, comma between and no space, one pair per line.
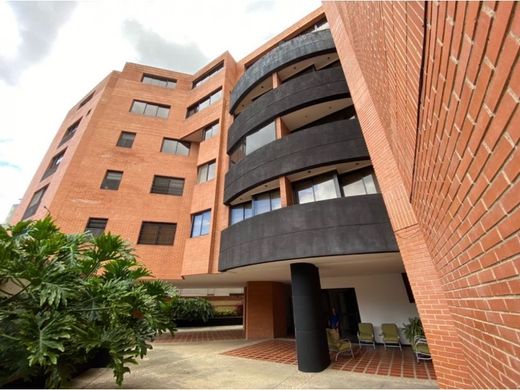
202,365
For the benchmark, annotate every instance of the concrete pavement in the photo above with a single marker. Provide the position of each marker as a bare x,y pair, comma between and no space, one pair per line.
200,365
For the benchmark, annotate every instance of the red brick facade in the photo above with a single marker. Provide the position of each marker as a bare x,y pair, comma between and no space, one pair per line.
436,90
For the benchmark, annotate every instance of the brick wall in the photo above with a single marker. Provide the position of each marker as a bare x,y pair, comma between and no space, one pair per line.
441,123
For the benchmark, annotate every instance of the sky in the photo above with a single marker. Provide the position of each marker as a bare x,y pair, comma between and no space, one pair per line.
53,53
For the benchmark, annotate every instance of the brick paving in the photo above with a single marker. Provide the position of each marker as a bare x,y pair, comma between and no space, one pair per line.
201,336
391,362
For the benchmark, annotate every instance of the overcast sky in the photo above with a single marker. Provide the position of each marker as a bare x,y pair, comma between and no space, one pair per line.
53,53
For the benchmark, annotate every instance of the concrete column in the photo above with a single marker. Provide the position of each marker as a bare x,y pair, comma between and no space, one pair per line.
311,339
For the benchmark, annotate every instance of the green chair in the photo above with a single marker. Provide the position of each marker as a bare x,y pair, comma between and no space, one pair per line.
366,334
421,349
391,336
337,345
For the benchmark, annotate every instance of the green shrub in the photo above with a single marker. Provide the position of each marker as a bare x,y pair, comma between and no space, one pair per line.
64,297
413,328
192,309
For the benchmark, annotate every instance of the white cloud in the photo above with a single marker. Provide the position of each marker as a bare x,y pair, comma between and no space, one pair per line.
91,42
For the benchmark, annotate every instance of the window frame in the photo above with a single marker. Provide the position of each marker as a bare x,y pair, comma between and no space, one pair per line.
54,164
205,77
120,140
105,178
70,132
86,100
157,107
171,178
207,166
32,208
363,173
211,128
314,180
186,144
206,100
156,240
202,215
98,231
253,209
156,78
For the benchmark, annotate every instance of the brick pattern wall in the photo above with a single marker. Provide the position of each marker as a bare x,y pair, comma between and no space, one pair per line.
466,190
453,200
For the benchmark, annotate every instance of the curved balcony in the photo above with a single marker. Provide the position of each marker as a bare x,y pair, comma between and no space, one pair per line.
330,143
297,49
303,91
343,226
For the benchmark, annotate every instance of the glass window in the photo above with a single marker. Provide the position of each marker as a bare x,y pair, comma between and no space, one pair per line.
360,182
112,180
69,133
315,189
86,100
167,185
54,164
208,75
159,81
157,233
206,172
201,224
126,139
211,131
173,146
34,203
96,226
150,109
206,102
260,138
262,203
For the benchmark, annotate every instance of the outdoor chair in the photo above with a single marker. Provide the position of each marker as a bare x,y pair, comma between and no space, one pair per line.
366,334
337,345
420,347
391,336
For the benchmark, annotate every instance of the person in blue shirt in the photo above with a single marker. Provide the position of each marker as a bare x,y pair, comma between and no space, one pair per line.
334,320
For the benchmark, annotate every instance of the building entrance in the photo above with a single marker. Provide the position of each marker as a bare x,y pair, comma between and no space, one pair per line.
345,302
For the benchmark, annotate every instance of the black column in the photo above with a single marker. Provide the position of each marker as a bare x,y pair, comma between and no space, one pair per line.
311,340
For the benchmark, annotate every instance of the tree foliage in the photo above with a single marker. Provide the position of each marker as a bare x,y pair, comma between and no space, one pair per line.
65,297
192,309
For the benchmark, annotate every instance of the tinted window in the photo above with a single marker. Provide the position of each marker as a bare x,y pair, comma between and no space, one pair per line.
260,138
317,188
34,203
96,226
126,139
69,133
262,203
167,185
54,164
206,102
361,182
208,75
159,81
157,233
211,131
112,180
206,172
150,109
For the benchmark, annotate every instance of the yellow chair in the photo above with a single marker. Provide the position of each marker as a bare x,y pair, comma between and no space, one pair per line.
337,345
366,334
391,336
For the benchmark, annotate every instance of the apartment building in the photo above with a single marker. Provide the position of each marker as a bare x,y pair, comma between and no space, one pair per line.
365,159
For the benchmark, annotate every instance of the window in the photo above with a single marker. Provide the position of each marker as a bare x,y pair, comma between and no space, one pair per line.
35,202
86,100
211,130
200,224
241,212
206,102
361,182
69,133
317,188
126,139
206,172
173,146
167,185
157,233
150,109
253,141
262,203
159,81
112,180
54,164
208,75
96,226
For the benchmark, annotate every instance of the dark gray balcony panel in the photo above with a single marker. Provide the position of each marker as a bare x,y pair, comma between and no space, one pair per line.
343,226
326,144
303,91
297,49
